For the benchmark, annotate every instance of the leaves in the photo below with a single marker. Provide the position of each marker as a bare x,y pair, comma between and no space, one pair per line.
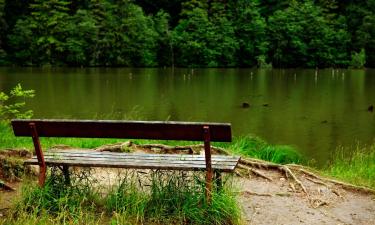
15,109
216,33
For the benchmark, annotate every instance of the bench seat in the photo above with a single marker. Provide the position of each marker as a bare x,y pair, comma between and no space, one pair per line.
87,158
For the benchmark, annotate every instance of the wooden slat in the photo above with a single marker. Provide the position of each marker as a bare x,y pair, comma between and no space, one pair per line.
224,168
135,156
87,158
164,162
157,130
138,158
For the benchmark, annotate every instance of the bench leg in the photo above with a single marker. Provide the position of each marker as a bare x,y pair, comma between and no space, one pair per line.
42,175
65,170
218,180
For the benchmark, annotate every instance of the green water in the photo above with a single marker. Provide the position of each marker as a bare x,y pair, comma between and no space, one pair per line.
313,110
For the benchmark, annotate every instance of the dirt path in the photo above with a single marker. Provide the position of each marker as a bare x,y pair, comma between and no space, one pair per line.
283,205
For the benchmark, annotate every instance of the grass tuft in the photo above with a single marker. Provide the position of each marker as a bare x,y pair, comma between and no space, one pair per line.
358,168
256,147
164,197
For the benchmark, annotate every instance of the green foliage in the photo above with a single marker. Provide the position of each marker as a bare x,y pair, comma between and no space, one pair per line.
358,59
358,168
255,147
361,25
250,31
17,98
301,36
204,40
11,168
3,28
156,198
189,33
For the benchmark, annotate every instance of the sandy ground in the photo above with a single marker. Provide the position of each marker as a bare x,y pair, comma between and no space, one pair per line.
284,205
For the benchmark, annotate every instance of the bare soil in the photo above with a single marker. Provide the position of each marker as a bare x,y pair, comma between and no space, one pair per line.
278,202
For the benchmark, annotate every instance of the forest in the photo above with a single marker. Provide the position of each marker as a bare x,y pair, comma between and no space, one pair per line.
188,33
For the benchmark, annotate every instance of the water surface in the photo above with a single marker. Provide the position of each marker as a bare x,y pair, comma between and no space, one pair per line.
313,110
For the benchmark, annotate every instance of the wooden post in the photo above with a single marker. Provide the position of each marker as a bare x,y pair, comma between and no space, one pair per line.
65,170
39,154
209,173
218,180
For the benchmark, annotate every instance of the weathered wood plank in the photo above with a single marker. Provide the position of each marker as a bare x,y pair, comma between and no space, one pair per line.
145,160
157,130
141,156
91,152
138,162
128,164
148,161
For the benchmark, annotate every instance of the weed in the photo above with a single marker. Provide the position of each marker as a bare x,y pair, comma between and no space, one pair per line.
358,168
157,197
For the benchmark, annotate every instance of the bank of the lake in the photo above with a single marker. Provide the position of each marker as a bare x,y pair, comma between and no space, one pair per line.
358,168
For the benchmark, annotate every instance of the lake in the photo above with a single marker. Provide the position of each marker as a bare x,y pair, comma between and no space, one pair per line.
313,110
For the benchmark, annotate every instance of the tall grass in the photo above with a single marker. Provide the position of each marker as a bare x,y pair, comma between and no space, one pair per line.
358,168
256,147
156,198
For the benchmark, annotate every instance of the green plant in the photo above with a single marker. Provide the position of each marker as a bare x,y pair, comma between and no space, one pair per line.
139,197
358,168
358,59
256,147
15,107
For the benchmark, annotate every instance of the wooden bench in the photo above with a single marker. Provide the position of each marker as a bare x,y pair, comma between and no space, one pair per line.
155,130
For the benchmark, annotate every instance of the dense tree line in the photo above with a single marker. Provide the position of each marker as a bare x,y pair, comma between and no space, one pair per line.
197,33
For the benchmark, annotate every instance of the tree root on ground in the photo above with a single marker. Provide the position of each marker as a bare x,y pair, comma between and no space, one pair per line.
255,193
254,171
6,186
159,148
288,168
344,185
282,168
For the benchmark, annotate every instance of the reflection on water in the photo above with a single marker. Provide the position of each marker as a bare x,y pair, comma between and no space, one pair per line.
313,110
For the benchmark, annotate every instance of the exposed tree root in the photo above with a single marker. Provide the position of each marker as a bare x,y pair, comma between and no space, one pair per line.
160,148
288,171
344,185
117,147
267,165
254,171
6,186
317,182
257,194
316,202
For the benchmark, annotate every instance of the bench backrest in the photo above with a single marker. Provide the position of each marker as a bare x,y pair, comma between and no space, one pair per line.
157,130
